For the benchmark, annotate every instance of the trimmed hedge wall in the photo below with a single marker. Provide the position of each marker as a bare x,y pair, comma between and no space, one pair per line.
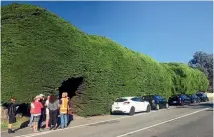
40,51
185,79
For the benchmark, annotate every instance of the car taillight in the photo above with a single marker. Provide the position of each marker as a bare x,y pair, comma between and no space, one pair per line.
125,103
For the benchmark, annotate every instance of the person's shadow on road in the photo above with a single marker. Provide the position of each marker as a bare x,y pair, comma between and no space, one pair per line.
23,125
70,118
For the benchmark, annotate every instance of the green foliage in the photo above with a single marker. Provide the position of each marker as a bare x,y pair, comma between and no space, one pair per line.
186,80
40,51
204,62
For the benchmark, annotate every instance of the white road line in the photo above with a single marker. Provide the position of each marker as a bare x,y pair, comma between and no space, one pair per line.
46,132
129,133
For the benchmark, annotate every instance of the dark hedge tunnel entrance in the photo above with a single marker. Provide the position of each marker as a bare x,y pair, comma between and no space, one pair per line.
71,86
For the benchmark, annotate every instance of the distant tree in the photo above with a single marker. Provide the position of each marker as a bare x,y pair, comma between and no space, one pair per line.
204,62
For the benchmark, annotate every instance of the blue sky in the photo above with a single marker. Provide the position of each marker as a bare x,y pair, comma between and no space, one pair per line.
166,31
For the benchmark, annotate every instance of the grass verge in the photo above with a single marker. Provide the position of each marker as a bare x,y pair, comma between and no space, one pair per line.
20,121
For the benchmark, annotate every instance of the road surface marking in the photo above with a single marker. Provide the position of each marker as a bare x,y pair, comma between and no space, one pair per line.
46,132
129,133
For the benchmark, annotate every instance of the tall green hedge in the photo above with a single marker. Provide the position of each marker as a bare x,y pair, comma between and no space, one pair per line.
41,50
185,79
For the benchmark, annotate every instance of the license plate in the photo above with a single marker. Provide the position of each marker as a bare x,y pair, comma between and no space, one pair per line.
117,107
174,102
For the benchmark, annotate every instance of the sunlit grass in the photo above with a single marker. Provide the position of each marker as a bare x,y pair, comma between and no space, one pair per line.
20,121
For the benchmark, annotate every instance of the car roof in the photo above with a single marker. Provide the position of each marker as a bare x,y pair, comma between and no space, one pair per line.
128,97
177,95
151,95
200,93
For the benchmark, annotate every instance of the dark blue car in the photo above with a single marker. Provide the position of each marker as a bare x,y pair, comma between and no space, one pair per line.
202,96
179,99
194,98
156,101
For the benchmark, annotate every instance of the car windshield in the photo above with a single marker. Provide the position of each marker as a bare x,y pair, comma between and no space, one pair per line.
121,100
136,99
174,96
199,95
194,95
156,97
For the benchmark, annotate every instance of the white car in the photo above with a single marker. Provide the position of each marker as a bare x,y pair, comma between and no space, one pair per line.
130,105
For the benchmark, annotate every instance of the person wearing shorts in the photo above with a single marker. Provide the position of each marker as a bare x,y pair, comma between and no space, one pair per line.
36,118
11,114
31,113
37,113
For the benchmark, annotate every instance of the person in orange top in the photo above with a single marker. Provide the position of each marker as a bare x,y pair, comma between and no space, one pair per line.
64,107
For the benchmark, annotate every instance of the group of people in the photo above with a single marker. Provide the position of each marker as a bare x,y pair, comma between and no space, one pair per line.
46,110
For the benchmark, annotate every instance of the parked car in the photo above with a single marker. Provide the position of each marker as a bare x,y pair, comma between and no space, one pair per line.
179,99
194,98
202,96
130,105
156,101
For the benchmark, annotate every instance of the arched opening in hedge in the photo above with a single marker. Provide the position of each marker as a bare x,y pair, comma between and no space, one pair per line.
70,86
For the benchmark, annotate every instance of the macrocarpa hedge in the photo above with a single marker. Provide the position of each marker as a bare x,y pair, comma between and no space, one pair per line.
41,50
185,79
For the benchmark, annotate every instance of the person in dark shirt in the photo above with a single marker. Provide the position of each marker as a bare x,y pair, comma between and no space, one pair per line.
42,118
11,114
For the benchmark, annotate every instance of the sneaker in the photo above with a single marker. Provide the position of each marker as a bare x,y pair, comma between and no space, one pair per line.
39,130
59,128
10,131
55,128
51,127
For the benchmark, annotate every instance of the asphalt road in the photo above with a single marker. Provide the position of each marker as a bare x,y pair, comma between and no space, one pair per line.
188,121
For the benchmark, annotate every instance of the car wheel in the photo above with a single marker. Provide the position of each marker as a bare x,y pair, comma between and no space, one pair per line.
112,113
132,111
148,108
157,107
167,105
